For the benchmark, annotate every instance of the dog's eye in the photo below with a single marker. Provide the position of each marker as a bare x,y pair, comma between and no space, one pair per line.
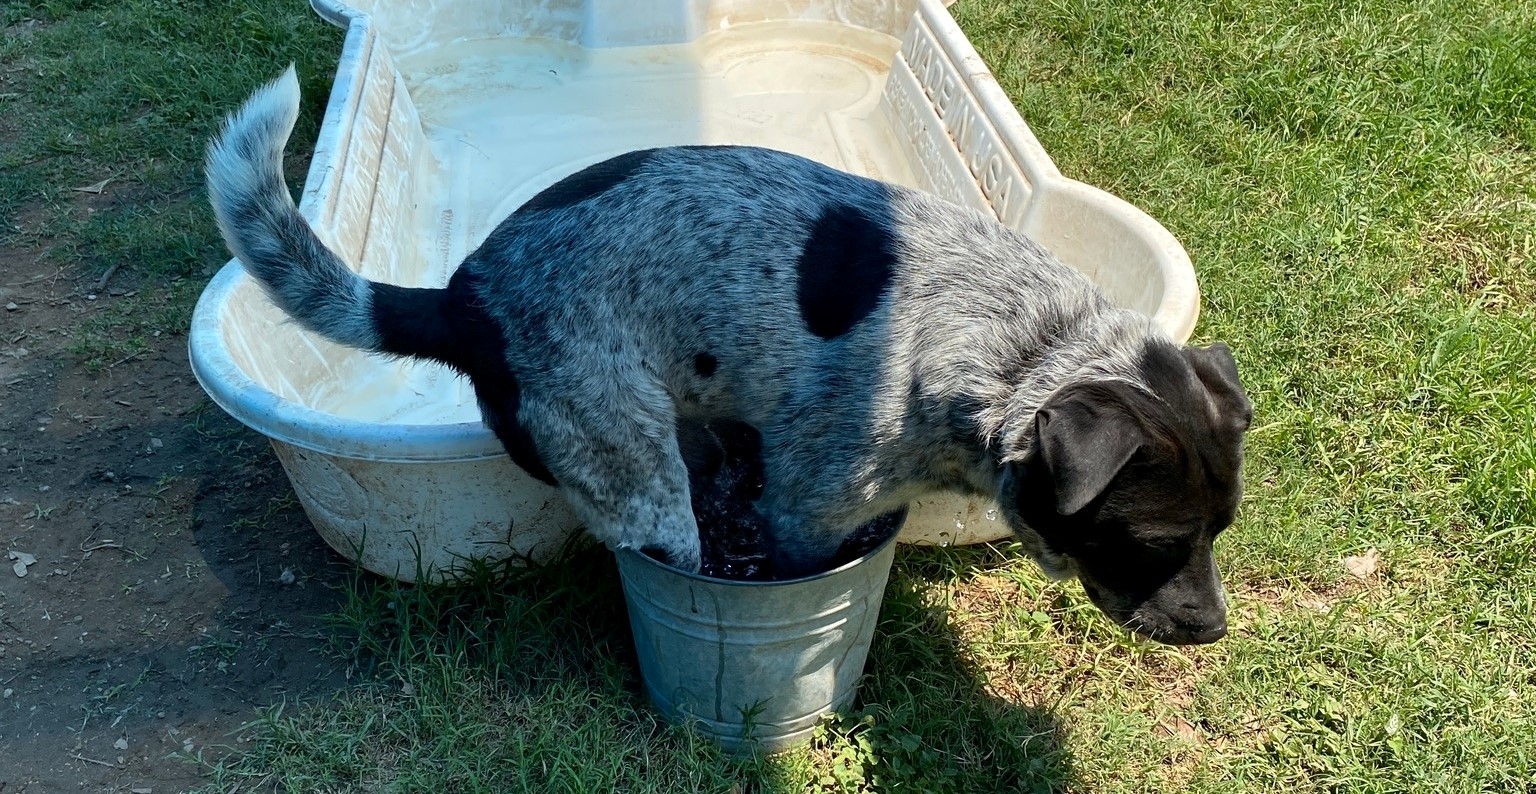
1164,550
1172,541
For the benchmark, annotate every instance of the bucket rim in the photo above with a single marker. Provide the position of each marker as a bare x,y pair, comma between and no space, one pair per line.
698,577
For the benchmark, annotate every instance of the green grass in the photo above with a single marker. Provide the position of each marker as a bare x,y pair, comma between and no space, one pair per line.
1356,185
514,681
129,91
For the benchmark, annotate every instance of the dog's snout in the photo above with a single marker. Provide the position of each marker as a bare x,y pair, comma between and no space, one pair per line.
1193,633
1201,623
1187,620
1209,634
1165,629
1202,614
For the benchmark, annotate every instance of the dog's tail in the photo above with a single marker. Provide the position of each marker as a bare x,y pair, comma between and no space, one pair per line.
264,229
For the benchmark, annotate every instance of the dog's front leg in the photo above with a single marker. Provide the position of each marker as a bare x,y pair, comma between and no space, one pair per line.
651,519
623,475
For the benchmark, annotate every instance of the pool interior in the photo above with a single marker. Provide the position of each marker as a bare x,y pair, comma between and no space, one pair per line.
505,117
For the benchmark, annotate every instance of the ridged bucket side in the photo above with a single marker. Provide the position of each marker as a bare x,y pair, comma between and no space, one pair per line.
753,664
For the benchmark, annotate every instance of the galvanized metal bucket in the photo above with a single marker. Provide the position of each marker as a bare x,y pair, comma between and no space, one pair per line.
753,664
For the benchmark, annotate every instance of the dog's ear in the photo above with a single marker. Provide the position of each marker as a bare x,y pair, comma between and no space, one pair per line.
1217,371
1085,437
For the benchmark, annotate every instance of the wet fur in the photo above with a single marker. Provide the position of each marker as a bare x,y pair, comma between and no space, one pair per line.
885,343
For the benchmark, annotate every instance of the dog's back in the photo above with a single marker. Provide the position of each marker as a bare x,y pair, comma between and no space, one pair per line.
758,284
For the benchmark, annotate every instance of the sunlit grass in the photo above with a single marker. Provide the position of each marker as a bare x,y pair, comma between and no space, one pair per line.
1356,185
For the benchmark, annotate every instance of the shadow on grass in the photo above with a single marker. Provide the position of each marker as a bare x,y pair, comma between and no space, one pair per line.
940,729
525,680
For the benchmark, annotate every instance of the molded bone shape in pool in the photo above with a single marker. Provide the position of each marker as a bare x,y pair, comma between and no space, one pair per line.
445,117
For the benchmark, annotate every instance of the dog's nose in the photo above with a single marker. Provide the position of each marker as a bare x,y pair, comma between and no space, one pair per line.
1208,634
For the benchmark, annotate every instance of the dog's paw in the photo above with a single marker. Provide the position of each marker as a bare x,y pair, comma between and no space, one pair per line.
687,561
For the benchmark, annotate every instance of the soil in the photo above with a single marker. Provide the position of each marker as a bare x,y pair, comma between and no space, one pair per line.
177,586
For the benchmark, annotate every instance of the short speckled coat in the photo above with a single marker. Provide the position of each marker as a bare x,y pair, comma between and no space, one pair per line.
884,342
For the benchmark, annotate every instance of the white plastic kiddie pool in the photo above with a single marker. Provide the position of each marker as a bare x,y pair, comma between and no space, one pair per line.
446,116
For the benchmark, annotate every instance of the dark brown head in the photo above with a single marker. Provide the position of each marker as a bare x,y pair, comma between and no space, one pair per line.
1127,488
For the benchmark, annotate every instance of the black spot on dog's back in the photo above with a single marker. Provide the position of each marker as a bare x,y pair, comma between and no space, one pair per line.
594,180
705,364
844,270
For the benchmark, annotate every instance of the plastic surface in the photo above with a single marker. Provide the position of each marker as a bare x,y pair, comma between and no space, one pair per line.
753,664
446,116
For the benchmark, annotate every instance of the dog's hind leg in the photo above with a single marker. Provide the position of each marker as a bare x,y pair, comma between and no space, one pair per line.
621,471
817,496
799,547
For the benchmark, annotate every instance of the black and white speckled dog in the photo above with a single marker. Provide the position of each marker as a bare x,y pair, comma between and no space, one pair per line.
884,342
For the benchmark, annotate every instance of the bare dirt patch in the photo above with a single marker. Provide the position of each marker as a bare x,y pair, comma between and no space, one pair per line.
155,618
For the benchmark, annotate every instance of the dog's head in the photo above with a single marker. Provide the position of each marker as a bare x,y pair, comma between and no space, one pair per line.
1127,487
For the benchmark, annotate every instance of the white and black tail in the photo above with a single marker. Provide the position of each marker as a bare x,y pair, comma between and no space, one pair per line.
264,229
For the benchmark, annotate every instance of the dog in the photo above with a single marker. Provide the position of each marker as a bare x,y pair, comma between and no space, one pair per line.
885,343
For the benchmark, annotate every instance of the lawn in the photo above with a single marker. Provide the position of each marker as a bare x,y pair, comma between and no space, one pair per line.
1356,186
